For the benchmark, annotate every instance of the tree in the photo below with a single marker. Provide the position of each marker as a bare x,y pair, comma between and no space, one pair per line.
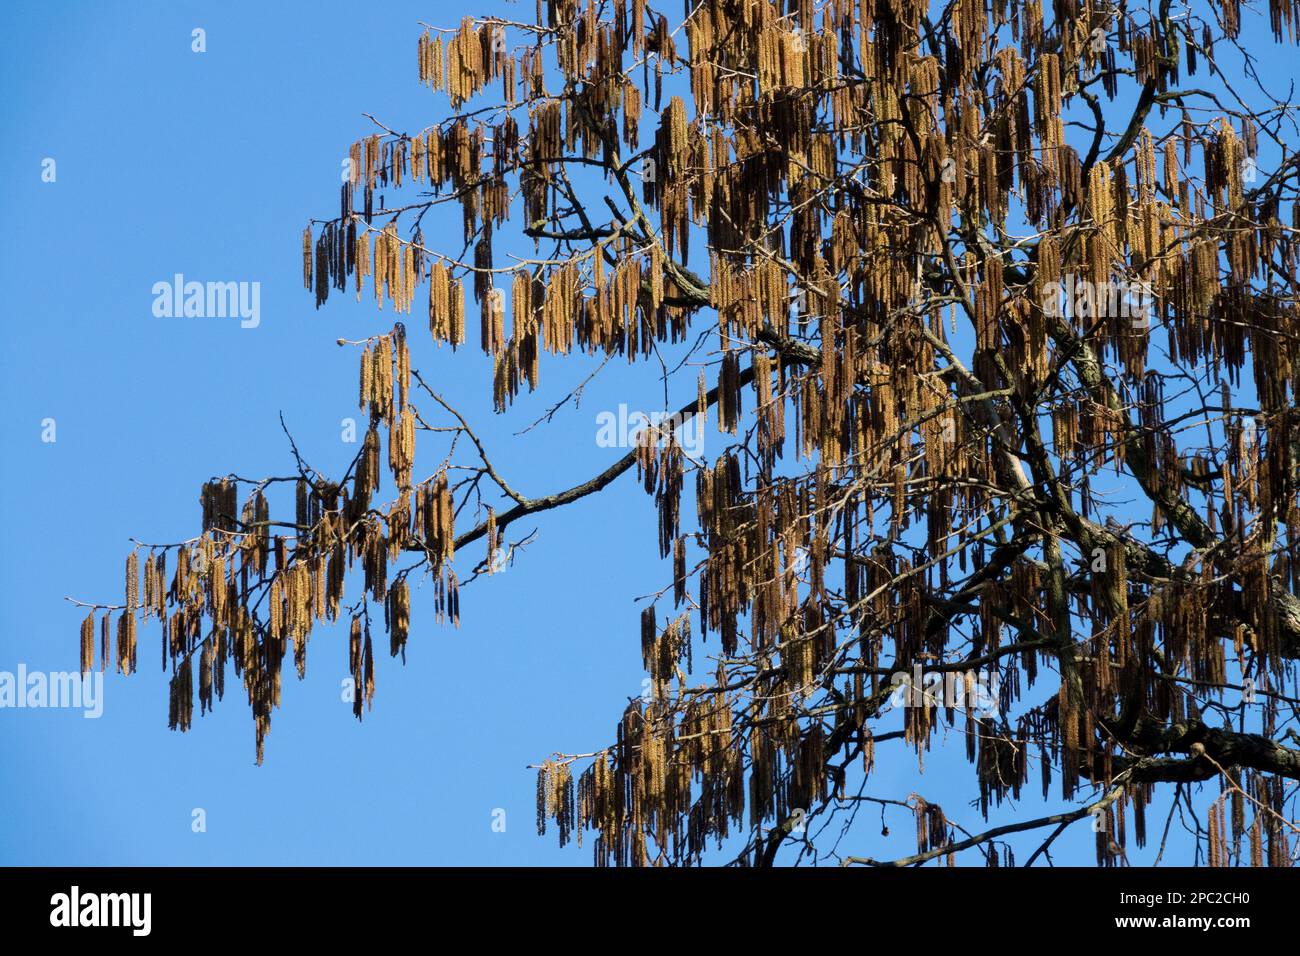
996,312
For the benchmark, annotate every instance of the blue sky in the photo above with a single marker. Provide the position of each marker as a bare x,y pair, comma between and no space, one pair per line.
210,165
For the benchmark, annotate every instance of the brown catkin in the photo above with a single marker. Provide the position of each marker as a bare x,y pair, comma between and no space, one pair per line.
367,396
306,258
88,643
456,300
132,582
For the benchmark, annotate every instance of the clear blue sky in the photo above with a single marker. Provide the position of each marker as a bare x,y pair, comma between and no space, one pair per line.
210,165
